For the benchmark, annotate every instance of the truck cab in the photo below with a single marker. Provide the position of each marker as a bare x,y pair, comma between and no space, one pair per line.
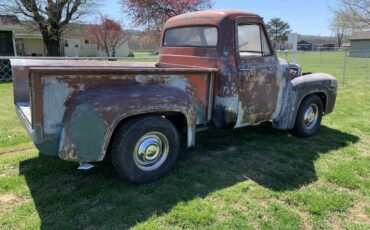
251,82
215,68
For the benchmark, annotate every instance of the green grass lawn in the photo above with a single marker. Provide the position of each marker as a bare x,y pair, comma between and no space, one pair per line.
142,54
11,131
250,178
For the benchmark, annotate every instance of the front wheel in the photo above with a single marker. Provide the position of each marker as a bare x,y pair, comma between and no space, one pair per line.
309,117
145,149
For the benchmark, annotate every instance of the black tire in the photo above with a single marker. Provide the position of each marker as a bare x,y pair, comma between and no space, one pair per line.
303,127
150,136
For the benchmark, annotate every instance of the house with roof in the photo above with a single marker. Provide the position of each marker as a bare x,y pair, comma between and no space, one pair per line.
29,42
314,43
360,44
21,38
304,45
9,24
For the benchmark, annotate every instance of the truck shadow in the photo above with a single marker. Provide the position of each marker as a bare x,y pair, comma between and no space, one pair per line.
67,198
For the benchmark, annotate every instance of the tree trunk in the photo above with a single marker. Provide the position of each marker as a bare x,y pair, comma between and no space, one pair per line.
113,55
107,52
52,47
340,36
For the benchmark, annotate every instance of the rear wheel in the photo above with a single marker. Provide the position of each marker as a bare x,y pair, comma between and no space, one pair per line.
145,149
309,117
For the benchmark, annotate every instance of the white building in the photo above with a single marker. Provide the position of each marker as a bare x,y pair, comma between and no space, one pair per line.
19,37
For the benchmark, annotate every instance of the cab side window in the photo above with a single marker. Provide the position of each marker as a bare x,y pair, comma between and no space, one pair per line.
265,45
252,41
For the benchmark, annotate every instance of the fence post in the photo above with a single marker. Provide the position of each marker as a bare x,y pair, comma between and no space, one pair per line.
344,67
367,61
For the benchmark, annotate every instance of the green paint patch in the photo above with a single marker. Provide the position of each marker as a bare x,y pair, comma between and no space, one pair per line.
201,114
87,133
50,145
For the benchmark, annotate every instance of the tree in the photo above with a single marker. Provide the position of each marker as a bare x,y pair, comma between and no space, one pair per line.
340,27
50,17
355,11
278,30
152,14
149,40
108,34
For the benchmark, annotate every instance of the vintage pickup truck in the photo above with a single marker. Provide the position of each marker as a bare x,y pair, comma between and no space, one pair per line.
216,68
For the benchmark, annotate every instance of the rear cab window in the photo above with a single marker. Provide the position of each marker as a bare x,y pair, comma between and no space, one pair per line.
194,36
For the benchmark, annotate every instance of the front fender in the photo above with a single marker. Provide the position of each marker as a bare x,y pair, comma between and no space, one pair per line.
298,89
93,115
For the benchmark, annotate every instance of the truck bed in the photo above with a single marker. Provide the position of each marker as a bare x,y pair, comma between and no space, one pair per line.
48,92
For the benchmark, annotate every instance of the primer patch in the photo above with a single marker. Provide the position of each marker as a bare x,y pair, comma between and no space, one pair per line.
54,96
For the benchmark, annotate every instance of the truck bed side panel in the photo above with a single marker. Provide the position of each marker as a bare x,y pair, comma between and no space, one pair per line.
77,113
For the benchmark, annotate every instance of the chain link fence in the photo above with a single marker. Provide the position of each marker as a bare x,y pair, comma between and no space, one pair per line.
5,71
346,66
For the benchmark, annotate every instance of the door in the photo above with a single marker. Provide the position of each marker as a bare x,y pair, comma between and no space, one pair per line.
6,43
259,81
19,44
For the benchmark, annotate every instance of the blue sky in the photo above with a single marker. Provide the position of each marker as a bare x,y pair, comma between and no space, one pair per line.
305,17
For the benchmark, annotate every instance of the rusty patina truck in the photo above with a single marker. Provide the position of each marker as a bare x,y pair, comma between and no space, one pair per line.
216,68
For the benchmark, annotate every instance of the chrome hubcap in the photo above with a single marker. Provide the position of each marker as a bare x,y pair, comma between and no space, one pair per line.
151,151
310,116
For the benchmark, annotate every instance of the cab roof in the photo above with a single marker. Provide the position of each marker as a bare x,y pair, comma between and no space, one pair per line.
208,16
231,14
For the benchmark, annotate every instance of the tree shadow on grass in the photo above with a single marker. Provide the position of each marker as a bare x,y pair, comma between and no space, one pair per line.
67,198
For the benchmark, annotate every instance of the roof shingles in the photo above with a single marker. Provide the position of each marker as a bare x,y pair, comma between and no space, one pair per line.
364,35
9,20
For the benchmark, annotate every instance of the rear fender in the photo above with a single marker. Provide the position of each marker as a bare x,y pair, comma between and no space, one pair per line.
92,116
301,87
